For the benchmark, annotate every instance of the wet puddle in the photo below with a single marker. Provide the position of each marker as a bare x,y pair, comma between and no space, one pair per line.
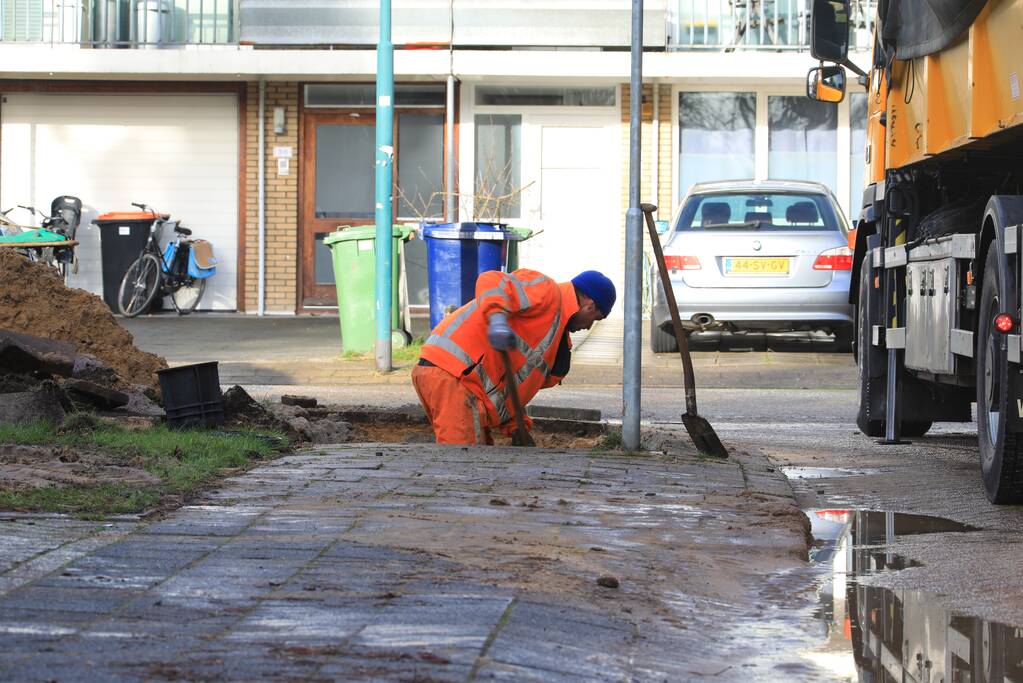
880,635
824,472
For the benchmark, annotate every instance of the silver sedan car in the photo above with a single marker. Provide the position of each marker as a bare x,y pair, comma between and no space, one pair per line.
756,256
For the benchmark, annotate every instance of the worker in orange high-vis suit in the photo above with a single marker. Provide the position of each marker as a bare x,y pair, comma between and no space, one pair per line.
460,377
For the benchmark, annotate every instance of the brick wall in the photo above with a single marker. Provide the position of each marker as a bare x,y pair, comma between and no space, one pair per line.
666,165
282,210
658,151
662,147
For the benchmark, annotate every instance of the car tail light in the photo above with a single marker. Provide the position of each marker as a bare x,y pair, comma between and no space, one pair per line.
839,258
682,262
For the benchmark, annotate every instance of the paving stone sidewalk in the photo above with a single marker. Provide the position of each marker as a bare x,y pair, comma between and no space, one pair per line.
424,563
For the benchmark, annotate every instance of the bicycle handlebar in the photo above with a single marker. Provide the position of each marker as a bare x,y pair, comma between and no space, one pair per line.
143,207
31,209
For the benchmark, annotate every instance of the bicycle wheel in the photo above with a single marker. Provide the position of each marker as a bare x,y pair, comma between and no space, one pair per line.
139,286
187,296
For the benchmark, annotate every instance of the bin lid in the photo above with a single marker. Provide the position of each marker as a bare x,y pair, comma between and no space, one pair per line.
467,231
363,232
520,234
128,216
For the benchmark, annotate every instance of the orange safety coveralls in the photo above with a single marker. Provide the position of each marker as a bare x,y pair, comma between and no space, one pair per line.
464,394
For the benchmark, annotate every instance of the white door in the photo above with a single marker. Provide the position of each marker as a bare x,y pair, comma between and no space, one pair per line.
570,165
177,153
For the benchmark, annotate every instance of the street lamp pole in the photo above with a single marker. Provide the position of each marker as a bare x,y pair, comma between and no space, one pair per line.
632,367
384,195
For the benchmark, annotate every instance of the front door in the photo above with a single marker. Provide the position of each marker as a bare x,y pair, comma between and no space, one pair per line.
338,189
572,198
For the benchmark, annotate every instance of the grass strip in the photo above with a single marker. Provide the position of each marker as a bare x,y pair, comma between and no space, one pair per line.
404,354
185,461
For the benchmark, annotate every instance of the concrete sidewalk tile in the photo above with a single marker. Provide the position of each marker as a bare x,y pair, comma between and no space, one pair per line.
504,672
399,666
16,620
288,622
67,599
401,635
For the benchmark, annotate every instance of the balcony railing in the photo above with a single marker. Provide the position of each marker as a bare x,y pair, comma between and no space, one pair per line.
722,25
756,25
119,23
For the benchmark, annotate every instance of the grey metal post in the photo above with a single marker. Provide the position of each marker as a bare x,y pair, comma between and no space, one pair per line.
631,371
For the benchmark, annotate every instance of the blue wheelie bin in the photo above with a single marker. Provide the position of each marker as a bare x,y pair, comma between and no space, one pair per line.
456,254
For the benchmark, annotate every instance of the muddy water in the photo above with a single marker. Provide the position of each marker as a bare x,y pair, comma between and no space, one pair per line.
880,634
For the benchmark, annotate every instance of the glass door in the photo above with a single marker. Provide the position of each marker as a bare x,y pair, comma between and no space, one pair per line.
338,189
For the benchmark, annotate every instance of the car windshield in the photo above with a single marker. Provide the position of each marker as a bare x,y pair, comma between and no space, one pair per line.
764,211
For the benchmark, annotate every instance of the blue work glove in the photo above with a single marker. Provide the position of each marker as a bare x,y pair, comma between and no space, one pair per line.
499,334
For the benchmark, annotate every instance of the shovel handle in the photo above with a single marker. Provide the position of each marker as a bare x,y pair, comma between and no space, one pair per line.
676,321
521,436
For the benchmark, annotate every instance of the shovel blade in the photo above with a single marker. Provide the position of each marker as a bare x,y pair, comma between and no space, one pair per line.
703,435
522,438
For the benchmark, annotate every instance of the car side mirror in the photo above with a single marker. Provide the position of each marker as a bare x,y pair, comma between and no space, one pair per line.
829,30
826,84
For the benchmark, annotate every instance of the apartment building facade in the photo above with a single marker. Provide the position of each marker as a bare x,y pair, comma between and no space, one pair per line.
253,121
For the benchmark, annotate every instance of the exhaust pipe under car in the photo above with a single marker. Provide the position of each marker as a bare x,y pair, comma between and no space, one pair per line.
704,320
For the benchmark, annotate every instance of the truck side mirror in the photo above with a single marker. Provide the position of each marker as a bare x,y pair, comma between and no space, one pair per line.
826,84
829,30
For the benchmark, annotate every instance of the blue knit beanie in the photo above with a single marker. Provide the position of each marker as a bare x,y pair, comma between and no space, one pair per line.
598,287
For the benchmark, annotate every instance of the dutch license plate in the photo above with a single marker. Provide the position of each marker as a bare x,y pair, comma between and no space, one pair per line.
756,266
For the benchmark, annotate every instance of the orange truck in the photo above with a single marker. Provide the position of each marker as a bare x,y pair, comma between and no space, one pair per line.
937,266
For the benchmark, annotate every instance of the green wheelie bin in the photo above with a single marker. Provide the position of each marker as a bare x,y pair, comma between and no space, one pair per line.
354,258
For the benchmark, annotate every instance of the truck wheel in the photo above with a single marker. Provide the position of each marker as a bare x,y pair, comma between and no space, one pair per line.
868,424
1001,452
661,341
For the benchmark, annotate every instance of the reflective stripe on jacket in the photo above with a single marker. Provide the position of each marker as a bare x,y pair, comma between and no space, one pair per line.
538,311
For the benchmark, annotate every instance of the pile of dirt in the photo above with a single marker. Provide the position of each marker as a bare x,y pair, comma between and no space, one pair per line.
34,300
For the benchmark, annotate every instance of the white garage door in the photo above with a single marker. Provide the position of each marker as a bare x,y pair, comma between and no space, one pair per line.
177,153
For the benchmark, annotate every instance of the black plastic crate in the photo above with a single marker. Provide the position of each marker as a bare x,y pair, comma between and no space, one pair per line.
191,395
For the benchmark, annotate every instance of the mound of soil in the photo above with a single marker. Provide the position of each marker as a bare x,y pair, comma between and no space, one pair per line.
33,299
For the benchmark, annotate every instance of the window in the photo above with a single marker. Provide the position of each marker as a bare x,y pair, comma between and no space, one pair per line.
715,136
344,171
323,261
498,160
365,95
545,96
764,211
857,152
802,140
420,167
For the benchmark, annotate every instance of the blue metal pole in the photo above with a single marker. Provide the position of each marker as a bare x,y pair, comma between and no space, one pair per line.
632,365
384,168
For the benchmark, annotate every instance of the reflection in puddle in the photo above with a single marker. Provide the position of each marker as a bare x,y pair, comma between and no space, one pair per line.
879,635
824,472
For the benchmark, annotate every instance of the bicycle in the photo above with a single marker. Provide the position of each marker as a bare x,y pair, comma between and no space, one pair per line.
54,242
176,271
